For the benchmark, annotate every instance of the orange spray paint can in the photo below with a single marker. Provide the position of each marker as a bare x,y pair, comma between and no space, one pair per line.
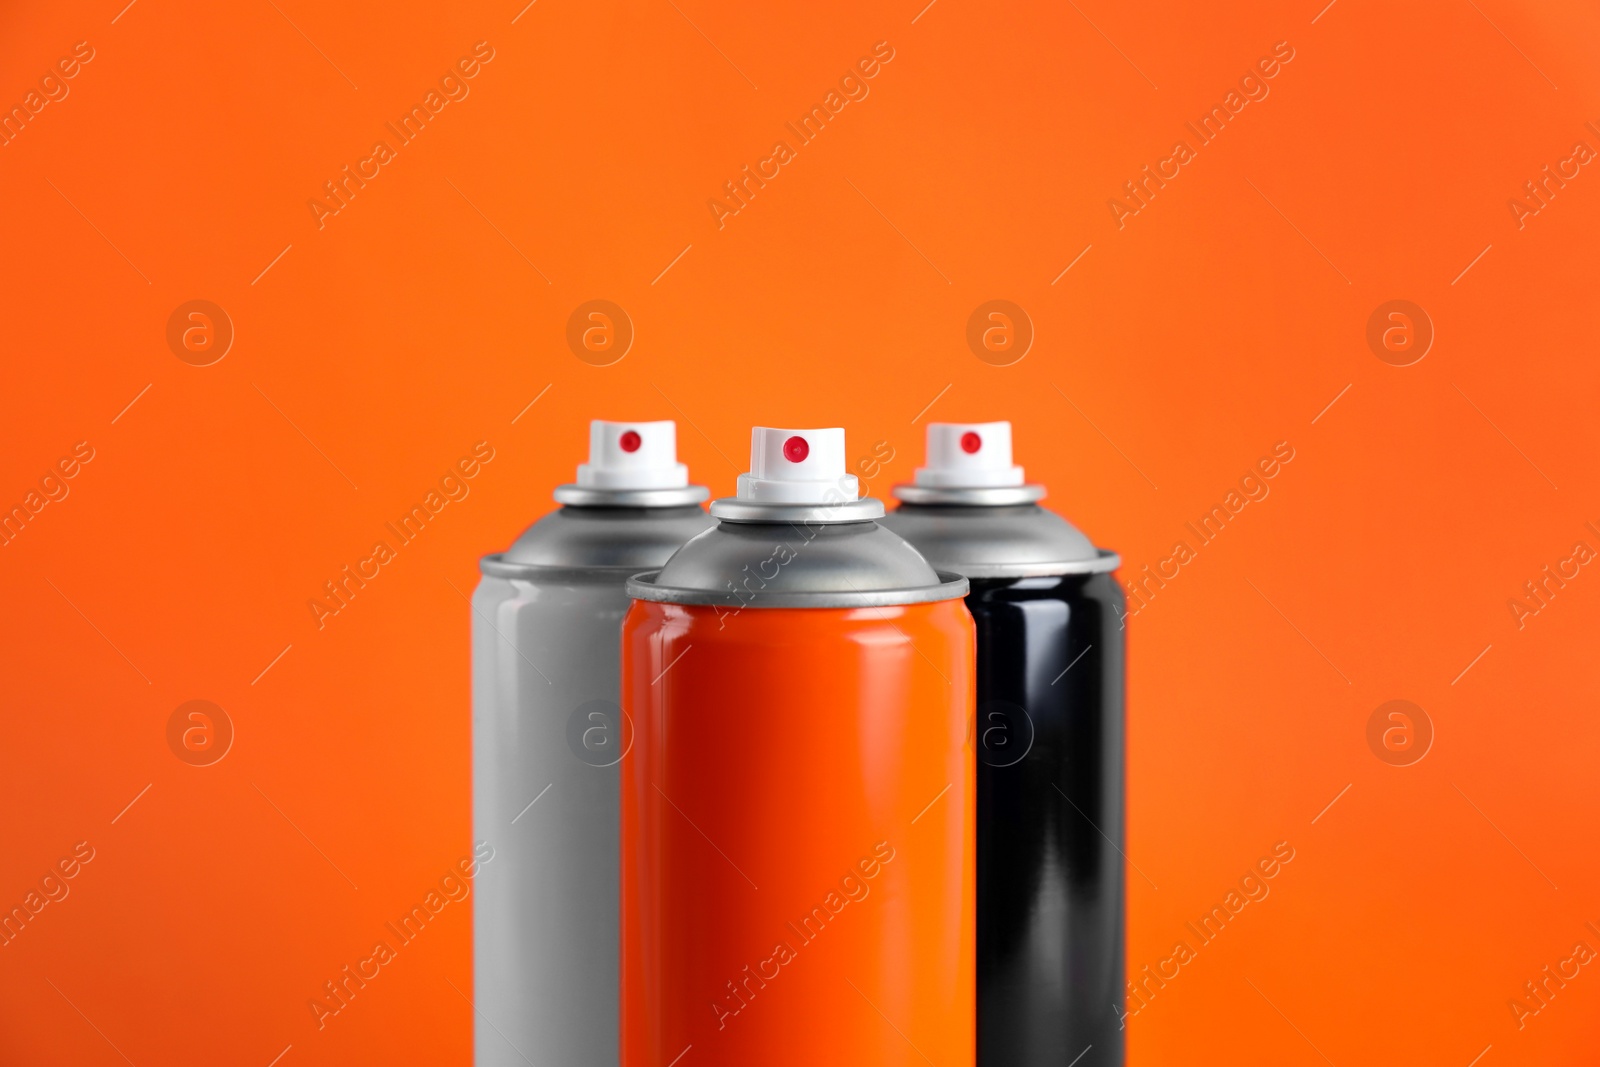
797,804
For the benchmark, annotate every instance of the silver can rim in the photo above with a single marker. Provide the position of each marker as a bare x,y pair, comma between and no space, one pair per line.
971,496
585,496
642,586
732,509
1105,561
497,566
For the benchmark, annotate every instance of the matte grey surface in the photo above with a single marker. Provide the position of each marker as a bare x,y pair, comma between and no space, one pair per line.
998,541
797,564
546,734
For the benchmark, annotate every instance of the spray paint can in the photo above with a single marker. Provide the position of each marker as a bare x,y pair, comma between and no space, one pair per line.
547,735
797,842
1050,740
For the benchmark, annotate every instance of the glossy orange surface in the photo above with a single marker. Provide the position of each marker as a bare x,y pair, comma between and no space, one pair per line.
797,836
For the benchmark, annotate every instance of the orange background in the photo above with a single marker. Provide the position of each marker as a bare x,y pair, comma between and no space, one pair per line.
426,315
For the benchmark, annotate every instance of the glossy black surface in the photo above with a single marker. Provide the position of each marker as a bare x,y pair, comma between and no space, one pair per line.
1050,821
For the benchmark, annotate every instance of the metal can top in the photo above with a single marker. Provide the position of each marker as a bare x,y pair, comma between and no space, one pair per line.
971,512
998,540
608,540
631,507
797,565
797,536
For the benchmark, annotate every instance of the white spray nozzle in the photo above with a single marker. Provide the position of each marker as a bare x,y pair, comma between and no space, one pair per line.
797,467
969,455
633,455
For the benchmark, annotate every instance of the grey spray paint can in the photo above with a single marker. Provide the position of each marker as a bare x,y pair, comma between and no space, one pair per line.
547,734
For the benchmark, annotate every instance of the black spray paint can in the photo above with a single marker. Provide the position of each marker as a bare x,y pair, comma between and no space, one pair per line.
1050,732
